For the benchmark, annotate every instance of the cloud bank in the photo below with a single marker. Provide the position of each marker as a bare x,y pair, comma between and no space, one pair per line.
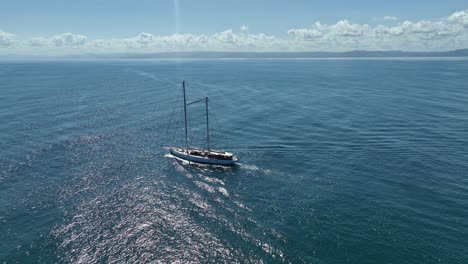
445,34
450,33
6,39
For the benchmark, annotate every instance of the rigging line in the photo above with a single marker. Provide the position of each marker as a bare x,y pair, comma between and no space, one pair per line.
178,123
173,111
214,128
173,136
171,141
197,101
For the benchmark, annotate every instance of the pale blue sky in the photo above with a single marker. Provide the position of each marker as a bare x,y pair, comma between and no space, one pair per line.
124,18
104,26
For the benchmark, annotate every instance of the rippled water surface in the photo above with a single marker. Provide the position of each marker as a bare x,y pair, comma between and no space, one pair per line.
357,161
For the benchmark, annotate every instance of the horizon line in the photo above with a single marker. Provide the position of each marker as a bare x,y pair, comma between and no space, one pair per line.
246,54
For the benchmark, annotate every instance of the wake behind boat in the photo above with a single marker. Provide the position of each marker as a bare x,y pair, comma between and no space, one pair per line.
206,156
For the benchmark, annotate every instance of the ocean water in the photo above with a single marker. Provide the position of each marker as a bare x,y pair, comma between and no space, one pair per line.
342,161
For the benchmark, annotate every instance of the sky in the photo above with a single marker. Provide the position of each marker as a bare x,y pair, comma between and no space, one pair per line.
61,27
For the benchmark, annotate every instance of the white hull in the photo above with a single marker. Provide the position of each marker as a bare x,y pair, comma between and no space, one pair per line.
180,153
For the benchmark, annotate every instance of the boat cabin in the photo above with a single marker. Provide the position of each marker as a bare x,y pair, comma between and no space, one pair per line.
211,154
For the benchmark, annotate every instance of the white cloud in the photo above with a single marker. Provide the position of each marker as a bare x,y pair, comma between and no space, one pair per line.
142,40
100,44
420,29
345,29
408,35
226,40
68,39
392,18
306,34
460,17
445,34
38,42
6,39
148,41
229,40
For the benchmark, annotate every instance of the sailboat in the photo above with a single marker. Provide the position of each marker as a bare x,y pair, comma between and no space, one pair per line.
199,155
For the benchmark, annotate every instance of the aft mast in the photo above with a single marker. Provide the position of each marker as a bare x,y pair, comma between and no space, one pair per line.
207,125
185,115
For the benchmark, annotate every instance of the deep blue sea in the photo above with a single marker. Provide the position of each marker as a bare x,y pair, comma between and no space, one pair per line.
342,161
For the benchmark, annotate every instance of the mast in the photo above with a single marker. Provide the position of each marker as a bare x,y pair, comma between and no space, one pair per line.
207,124
185,114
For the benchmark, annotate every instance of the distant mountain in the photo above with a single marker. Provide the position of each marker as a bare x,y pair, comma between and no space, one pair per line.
242,55
318,54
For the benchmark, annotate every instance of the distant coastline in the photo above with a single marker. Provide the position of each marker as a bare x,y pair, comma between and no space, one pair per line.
251,55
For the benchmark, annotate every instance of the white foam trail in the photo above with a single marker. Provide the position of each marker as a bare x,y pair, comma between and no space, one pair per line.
205,186
253,168
223,191
213,180
249,167
154,77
